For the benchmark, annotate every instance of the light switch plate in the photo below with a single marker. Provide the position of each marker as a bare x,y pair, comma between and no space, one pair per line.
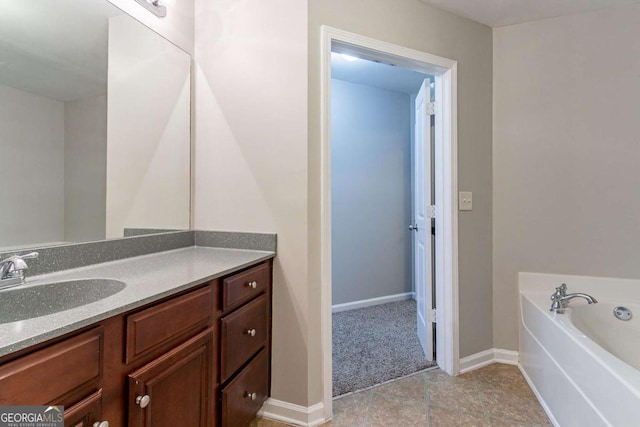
465,201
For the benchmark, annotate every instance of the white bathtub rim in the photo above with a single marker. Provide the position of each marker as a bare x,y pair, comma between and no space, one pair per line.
566,377
565,374
538,287
627,375
545,283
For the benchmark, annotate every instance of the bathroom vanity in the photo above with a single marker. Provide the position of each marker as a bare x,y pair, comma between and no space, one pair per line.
193,350
166,329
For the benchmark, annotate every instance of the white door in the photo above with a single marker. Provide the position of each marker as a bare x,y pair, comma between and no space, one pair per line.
421,227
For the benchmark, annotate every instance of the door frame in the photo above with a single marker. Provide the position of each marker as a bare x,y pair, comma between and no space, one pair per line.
446,190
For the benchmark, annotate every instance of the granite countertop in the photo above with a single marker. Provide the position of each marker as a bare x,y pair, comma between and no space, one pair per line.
148,278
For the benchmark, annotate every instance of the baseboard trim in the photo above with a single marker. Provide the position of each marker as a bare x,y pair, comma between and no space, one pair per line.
372,301
291,413
487,357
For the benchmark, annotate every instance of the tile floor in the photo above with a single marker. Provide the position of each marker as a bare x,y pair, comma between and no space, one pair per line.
494,396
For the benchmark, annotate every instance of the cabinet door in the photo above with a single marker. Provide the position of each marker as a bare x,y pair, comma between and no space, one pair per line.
176,389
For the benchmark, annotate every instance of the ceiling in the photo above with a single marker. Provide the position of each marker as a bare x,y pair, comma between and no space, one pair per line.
498,13
383,76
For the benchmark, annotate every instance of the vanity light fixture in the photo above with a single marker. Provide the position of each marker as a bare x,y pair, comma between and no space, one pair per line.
157,7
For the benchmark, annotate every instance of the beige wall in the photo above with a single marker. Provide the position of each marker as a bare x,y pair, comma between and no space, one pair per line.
251,154
565,152
416,25
258,163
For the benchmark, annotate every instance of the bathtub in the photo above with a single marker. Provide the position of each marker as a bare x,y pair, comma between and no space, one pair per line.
583,365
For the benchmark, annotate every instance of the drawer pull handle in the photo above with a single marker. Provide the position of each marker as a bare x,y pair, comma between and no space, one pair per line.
251,332
143,401
101,424
251,396
253,284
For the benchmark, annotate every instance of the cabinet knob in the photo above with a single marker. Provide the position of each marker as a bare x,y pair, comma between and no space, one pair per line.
101,424
251,332
253,284
249,395
143,401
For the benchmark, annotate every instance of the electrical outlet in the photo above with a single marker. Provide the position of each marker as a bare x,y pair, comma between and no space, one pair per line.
465,201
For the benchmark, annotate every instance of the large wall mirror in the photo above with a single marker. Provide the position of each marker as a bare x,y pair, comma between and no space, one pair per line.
94,125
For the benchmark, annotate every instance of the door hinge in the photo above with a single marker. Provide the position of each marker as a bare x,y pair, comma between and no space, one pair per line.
431,211
430,108
433,315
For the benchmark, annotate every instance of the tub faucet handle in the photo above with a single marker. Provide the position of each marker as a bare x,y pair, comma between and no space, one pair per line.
558,305
561,290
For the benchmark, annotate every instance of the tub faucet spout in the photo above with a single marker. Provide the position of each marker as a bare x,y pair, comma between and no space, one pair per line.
560,299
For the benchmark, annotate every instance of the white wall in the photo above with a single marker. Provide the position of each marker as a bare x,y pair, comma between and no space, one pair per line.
85,173
148,149
31,168
566,155
251,154
371,192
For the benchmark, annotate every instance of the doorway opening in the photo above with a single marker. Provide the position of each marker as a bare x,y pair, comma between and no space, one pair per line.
445,184
382,241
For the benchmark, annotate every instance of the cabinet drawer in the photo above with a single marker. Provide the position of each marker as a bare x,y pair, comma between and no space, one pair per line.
151,328
84,413
46,375
239,404
243,286
242,333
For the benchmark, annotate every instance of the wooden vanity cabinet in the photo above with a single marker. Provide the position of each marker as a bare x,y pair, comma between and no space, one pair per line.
200,358
245,344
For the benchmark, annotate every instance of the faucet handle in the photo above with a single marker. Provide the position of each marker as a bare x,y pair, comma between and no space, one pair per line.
13,267
556,304
30,255
16,262
562,289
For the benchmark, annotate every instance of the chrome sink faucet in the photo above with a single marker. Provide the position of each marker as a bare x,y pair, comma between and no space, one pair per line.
12,269
560,299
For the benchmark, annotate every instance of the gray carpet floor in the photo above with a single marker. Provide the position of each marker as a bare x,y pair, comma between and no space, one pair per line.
375,344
